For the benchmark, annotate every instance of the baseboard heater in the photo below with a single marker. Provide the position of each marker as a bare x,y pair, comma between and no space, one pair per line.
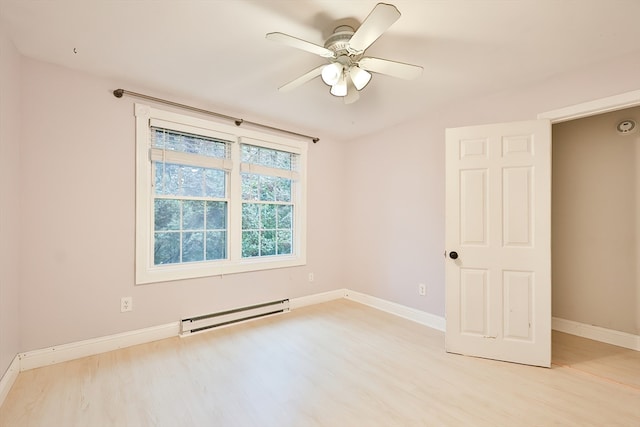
224,318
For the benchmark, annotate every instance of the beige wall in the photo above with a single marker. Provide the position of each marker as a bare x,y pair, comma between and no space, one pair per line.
10,226
595,222
395,184
77,180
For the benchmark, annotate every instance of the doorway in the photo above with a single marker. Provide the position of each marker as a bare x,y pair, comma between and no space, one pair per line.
595,221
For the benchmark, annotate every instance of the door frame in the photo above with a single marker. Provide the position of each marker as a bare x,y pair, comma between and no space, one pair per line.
592,108
578,111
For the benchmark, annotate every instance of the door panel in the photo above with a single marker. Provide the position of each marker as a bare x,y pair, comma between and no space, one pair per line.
473,212
518,221
518,304
474,301
498,184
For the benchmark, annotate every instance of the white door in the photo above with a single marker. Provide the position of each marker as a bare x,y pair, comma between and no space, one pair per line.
498,241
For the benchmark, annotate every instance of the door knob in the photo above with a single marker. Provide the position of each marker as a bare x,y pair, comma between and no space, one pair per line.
453,255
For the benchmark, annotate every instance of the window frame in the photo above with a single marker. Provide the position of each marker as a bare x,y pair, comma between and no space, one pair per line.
145,270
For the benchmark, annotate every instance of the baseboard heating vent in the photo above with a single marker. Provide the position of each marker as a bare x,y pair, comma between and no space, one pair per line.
224,318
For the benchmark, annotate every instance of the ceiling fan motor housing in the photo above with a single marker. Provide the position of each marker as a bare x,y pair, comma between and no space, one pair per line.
339,40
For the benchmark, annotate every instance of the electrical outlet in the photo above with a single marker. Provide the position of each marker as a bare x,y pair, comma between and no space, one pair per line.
310,277
422,289
126,304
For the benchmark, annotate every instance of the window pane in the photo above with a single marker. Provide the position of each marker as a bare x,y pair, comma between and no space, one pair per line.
250,184
267,157
215,183
167,214
158,184
283,160
285,215
250,154
166,248
167,178
267,188
267,216
250,216
171,180
282,187
193,215
283,237
216,215
267,243
250,244
192,181
217,149
192,246
216,245
189,143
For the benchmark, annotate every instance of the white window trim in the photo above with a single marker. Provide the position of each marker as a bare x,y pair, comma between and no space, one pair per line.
146,272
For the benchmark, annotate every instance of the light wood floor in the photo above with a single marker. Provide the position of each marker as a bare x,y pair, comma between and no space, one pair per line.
334,364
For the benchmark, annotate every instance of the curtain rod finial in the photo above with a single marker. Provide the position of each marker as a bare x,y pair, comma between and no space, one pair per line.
238,122
315,140
118,93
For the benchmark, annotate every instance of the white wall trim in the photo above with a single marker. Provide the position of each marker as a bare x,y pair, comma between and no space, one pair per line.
591,108
300,302
9,377
422,317
76,350
609,336
65,352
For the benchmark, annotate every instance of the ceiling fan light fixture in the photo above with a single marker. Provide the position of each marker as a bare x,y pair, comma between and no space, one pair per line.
359,77
340,88
331,73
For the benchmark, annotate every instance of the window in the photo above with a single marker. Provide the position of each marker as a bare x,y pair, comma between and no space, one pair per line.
189,197
215,199
267,203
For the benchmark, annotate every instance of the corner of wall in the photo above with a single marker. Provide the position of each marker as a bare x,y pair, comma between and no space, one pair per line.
9,202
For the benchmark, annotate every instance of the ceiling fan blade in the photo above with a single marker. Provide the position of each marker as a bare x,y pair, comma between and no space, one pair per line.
380,18
302,79
391,68
301,44
352,93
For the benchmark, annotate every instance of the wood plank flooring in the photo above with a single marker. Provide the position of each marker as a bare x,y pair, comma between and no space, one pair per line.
334,364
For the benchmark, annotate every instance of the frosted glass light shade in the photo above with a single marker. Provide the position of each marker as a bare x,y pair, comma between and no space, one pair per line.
331,73
359,77
340,88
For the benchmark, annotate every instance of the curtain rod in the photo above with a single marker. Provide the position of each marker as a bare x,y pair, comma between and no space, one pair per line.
118,93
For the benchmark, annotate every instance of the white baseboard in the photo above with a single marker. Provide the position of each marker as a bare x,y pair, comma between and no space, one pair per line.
422,317
62,353
609,336
76,350
9,377
316,298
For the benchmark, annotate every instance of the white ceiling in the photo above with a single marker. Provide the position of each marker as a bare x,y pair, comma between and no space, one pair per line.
215,52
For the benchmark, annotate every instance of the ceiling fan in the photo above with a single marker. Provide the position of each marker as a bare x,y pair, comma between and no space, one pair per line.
348,70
